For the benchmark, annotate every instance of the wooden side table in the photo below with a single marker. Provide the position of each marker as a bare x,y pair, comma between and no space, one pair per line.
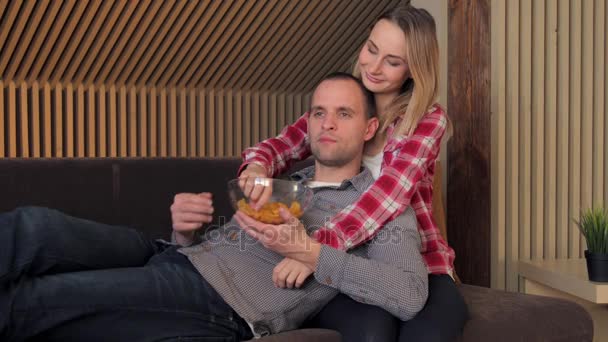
567,278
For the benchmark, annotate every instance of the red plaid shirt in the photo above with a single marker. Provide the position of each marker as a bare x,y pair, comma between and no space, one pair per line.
406,179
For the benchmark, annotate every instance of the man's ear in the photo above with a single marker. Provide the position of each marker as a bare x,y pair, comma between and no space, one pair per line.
372,127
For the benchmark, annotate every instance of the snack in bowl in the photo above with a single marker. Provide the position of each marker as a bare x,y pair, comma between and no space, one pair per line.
291,195
269,212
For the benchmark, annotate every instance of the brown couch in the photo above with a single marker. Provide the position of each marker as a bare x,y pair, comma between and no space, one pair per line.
138,193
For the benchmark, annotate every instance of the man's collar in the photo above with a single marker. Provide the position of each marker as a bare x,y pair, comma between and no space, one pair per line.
360,182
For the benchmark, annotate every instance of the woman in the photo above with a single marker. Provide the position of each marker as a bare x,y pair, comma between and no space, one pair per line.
399,64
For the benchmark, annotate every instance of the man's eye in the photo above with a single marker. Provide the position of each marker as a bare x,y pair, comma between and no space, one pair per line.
344,114
317,114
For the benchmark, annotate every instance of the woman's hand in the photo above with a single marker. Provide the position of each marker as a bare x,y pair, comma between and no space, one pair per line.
256,191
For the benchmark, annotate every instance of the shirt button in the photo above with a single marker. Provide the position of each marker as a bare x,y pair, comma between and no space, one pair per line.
328,281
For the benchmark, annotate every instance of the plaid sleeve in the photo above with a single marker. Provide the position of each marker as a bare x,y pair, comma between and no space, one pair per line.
392,192
278,153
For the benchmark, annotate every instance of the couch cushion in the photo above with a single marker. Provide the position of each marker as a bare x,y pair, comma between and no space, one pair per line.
78,187
507,316
304,335
147,188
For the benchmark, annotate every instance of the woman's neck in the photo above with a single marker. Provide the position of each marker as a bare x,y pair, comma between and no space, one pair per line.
382,103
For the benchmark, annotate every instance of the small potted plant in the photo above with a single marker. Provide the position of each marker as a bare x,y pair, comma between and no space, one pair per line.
594,226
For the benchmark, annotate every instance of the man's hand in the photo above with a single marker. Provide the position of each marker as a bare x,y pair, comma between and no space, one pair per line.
257,193
288,239
289,273
188,213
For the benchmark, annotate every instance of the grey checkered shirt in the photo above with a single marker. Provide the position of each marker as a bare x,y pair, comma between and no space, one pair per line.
388,271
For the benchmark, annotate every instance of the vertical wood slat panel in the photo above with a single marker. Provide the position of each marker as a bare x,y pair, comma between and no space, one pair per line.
182,132
80,121
587,111
272,109
90,120
512,133
535,99
264,122
24,113
162,125
238,115
132,122
202,123
102,121
605,109
113,122
192,133
219,122
575,126
12,119
563,124
229,123
281,111
526,237
255,110
248,112
550,122
153,129
498,53
58,114
69,115
172,124
122,121
568,127
34,113
142,124
599,118
47,120
210,96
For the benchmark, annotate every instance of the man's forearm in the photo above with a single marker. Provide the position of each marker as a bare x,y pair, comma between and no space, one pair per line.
182,239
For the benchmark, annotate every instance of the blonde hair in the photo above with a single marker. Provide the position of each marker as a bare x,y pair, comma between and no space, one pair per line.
419,93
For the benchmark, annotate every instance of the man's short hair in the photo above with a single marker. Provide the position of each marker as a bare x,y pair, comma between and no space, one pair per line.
368,96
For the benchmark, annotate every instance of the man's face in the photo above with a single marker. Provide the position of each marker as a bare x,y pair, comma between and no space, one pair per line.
338,126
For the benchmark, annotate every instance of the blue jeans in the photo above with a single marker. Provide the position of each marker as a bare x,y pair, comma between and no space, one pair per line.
69,279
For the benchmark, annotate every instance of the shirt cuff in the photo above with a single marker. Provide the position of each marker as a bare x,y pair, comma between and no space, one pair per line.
256,161
330,266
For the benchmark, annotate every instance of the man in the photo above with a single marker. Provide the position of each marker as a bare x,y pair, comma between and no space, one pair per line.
66,278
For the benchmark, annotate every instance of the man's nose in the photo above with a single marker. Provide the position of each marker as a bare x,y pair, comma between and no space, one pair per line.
329,122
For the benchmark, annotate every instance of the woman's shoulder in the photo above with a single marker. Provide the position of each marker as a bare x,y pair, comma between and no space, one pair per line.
436,111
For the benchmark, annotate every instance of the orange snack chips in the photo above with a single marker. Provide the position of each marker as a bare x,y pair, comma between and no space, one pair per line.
269,213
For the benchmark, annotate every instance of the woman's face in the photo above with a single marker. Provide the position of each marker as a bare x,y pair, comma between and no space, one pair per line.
383,59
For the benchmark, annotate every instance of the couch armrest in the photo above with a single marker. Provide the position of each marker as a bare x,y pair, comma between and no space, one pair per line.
497,315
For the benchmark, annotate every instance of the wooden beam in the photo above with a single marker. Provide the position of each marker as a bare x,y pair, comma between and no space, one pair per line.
468,189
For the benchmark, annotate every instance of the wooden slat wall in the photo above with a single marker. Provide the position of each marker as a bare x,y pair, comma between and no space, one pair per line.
549,130
73,121
78,77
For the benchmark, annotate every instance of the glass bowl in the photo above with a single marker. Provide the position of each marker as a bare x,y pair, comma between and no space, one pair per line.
294,196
